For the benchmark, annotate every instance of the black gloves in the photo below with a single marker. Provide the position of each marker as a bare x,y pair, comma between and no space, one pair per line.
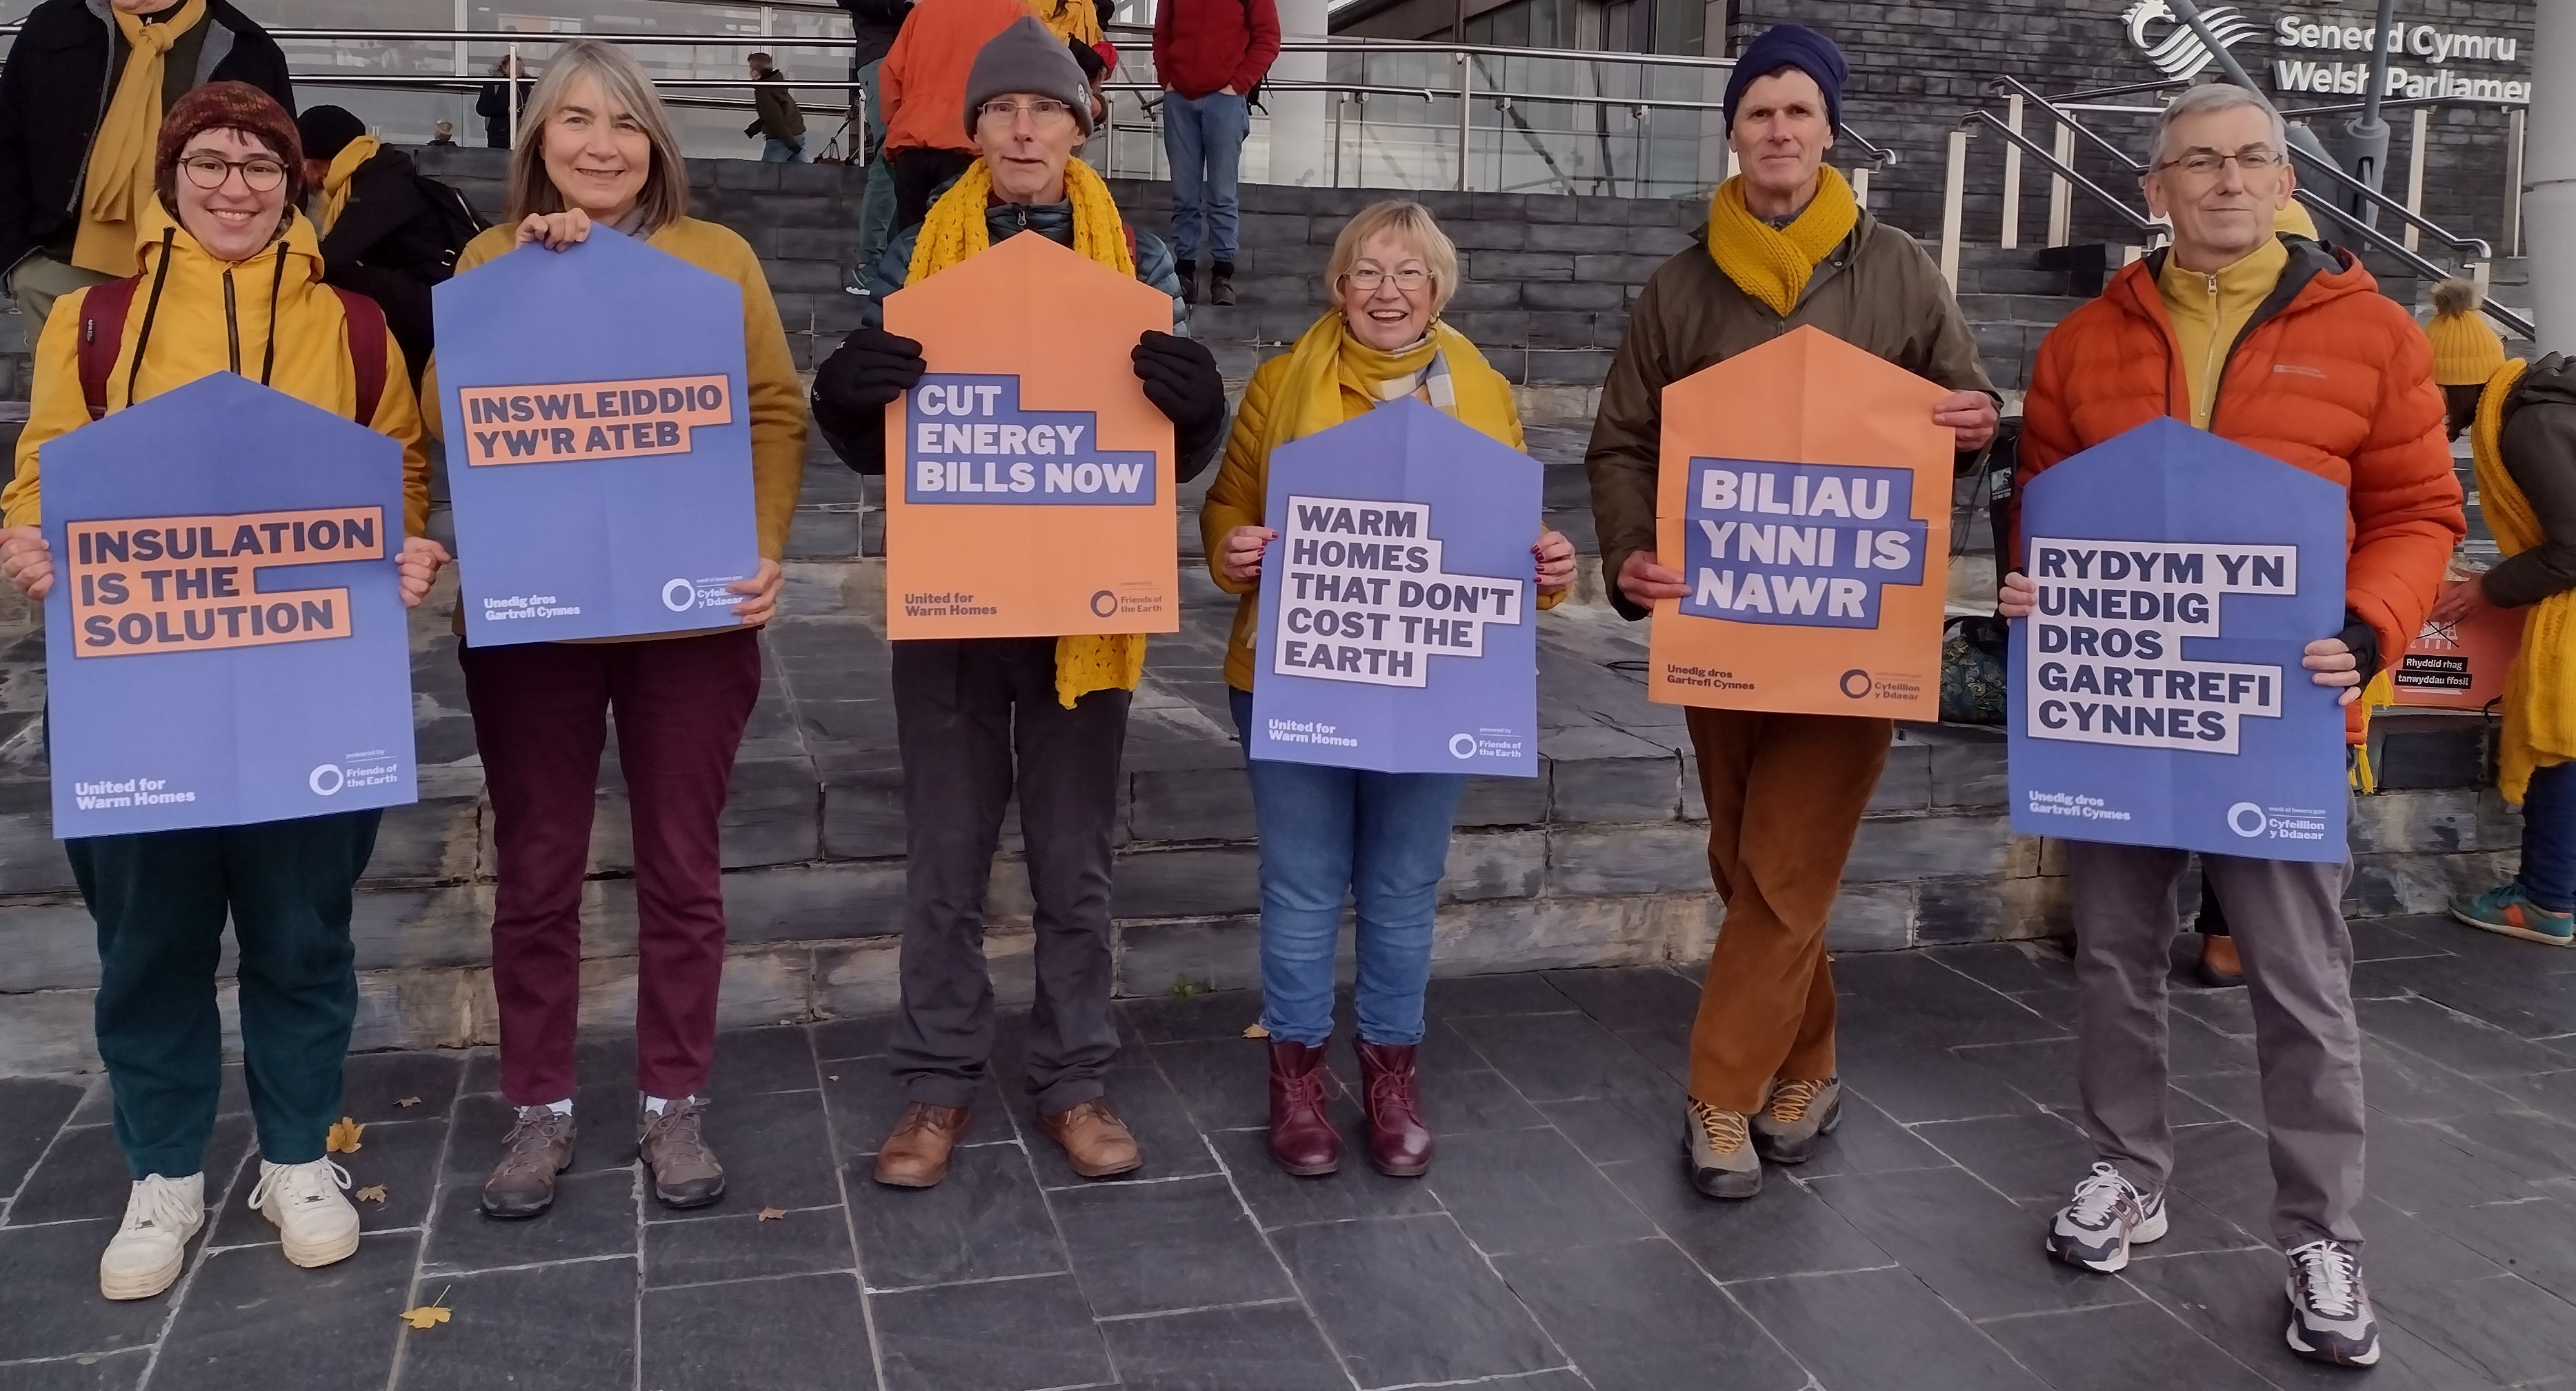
2363,639
854,386
1181,379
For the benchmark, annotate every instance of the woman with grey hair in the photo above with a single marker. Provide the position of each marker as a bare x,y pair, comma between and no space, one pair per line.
598,151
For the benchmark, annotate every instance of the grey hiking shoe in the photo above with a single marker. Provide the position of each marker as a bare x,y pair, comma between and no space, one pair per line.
1797,1118
2329,1310
1718,1152
538,1147
685,1172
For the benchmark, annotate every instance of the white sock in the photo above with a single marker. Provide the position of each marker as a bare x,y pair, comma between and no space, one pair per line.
654,1105
560,1108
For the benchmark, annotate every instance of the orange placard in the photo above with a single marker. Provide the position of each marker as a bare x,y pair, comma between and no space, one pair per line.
191,584
1804,496
1029,487
2459,666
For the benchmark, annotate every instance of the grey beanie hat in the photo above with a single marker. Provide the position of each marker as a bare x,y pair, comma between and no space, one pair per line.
1026,58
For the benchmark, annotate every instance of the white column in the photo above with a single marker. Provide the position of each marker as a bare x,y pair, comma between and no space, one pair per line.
2549,177
1300,122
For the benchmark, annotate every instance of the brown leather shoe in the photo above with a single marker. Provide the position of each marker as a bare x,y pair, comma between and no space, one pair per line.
1399,1143
538,1147
916,1154
1302,1137
685,1172
2220,967
1094,1139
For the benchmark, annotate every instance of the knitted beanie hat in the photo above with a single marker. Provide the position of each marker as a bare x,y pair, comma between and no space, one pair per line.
1026,58
2466,348
227,106
327,130
1790,46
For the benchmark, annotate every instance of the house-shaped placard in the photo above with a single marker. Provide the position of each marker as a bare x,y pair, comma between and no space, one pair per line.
1399,618
2156,693
1029,485
225,640
1804,496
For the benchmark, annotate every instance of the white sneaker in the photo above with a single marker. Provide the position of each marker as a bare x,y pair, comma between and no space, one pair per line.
2106,1218
315,1224
151,1244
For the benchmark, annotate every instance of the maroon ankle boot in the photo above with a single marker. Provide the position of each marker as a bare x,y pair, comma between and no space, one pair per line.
1399,1143
1302,1138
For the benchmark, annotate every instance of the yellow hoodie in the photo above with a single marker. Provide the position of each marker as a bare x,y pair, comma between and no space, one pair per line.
2210,309
215,317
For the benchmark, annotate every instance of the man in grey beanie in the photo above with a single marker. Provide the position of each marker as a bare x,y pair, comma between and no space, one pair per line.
977,720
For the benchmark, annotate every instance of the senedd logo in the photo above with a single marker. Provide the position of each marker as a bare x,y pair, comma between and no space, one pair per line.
1855,683
1462,746
325,780
2247,819
2178,51
1104,604
679,596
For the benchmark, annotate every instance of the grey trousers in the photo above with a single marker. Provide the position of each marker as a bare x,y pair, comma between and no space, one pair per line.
36,282
2288,920
975,720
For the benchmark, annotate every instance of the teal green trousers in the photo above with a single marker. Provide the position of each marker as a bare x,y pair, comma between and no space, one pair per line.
160,901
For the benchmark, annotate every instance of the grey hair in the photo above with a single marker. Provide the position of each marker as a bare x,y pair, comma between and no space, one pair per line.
621,81
2206,99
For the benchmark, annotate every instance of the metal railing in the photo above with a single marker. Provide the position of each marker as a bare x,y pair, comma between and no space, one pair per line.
1464,59
2332,185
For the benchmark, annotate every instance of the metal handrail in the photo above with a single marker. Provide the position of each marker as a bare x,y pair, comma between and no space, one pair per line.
2057,111
2335,176
2050,162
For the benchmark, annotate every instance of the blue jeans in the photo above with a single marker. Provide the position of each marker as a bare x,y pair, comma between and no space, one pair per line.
777,151
1381,838
1204,139
2549,837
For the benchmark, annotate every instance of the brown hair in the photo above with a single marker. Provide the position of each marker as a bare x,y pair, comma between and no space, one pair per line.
665,197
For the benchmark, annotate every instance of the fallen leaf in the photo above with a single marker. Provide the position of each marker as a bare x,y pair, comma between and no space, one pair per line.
1256,1031
344,1137
428,1315
372,1193
772,1214
409,1101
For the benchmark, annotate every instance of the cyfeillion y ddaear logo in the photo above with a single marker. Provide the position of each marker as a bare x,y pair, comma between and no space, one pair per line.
2176,50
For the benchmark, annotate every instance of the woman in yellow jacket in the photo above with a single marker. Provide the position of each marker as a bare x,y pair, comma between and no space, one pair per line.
1380,838
231,281
597,148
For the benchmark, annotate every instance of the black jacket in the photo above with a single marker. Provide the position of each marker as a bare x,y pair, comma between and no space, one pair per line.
493,105
54,91
2539,448
874,24
387,223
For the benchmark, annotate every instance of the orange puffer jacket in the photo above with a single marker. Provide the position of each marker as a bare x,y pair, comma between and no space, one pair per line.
2329,375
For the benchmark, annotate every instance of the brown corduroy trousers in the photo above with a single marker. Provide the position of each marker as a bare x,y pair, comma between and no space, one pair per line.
1785,795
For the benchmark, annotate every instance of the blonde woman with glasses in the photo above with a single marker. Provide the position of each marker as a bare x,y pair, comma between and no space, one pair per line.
597,151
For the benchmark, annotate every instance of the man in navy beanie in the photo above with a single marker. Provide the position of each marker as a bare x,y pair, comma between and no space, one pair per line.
1787,245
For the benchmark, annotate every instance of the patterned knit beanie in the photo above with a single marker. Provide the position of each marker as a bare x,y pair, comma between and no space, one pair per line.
227,106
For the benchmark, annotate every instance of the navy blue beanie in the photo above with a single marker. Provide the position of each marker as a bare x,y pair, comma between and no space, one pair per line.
1790,46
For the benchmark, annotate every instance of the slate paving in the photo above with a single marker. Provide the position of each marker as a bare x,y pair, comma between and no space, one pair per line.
1554,1245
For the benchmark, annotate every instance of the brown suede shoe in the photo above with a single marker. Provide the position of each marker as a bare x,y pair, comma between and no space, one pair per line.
685,1172
538,1147
1094,1139
916,1154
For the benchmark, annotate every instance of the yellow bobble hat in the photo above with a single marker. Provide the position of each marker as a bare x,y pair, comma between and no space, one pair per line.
2466,349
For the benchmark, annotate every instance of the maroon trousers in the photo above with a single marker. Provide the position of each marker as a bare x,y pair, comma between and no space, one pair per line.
540,716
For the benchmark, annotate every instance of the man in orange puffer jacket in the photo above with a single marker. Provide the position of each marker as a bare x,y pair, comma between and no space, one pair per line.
2286,347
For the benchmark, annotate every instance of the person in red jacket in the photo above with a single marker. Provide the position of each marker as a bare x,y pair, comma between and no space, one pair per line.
2284,346
1209,54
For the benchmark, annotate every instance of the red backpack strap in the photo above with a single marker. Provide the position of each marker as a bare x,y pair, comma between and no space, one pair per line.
102,333
1129,233
365,321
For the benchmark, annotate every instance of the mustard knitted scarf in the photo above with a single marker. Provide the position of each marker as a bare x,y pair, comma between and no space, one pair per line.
954,230
117,196
1772,263
1333,377
2540,694
335,185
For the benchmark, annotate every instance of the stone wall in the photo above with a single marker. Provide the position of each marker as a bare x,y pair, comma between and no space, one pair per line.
1920,65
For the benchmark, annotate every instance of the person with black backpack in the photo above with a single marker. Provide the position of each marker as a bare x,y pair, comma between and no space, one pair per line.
388,231
1211,56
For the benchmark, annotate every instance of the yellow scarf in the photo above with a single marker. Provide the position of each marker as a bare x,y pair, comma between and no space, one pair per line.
335,185
118,195
2540,694
955,230
1333,377
1772,263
